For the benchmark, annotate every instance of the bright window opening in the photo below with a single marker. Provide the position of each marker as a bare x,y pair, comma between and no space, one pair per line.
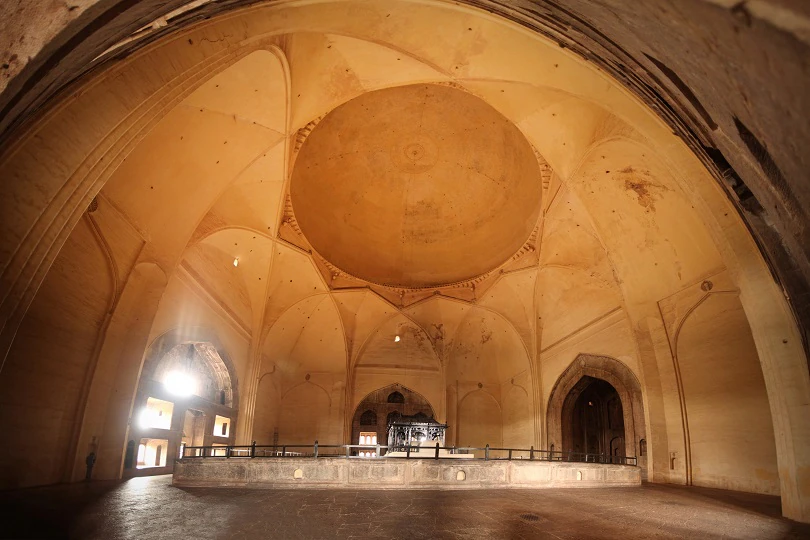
152,453
368,437
180,383
222,426
157,414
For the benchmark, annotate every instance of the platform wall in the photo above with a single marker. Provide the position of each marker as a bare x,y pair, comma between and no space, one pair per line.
286,473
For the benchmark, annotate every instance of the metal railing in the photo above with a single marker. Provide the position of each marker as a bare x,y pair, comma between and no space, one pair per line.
378,451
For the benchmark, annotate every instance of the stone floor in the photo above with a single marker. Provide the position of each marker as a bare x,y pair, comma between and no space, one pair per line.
151,508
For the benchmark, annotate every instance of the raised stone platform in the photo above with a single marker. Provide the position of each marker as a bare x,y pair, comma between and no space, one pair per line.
338,473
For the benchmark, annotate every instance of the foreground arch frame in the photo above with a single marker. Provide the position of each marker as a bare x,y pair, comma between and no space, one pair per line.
38,227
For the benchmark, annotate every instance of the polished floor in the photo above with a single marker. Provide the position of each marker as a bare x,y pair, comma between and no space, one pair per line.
151,508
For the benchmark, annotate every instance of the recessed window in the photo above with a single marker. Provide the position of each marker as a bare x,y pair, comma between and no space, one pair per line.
152,453
368,437
222,426
157,414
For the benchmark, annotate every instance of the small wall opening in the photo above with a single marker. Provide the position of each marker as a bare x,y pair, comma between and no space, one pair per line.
222,426
152,453
157,414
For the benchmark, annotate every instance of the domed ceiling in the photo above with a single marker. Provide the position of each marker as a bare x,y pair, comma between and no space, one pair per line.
416,186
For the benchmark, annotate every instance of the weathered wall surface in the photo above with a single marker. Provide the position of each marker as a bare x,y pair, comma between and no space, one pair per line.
394,473
737,112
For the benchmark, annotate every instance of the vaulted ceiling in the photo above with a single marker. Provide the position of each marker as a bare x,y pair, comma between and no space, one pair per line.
331,191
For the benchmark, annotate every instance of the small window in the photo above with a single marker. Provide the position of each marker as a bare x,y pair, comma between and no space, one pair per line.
152,453
396,397
642,447
221,426
368,418
157,414
368,437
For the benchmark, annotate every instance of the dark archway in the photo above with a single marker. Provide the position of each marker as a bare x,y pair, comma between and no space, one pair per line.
575,382
129,456
593,420
368,418
381,408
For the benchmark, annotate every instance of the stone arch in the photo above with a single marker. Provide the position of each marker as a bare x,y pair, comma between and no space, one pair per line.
305,414
480,420
376,403
611,371
368,418
211,350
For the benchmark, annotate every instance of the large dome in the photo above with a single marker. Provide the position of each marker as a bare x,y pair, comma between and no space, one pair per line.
416,186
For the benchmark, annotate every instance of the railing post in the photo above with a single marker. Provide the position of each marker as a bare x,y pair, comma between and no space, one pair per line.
348,450
531,453
378,449
510,454
408,451
316,448
486,453
253,450
437,452
227,452
283,450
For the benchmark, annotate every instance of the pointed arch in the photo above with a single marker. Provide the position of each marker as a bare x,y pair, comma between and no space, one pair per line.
613,372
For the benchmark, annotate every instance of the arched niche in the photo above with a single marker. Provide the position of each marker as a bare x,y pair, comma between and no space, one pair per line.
206,346
725,399
305,415
576,379
385,404
517,414
267,410
593,420
480,421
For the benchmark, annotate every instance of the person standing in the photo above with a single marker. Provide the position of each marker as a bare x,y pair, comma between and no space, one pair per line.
90,460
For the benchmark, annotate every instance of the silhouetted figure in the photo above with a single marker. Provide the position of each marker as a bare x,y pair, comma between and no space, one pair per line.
90,460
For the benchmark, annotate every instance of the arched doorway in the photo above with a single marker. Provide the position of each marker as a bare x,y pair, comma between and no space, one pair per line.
593,420
375,411
596,405
187,396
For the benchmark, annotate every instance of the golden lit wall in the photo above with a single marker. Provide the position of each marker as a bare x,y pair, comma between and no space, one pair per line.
190,145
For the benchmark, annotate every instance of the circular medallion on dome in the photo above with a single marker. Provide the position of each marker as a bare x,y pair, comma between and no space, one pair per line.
416,186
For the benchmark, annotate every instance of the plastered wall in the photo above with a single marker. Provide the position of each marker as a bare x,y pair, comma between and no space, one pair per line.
199,179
